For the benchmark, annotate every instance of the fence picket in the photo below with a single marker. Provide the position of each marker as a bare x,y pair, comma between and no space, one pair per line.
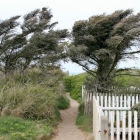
135,125
136,99
132,100
118,126
113,101
123,124
101,101
129,124
112,125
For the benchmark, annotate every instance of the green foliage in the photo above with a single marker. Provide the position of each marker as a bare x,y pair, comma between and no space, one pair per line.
73,84
127,81
12,128
63,102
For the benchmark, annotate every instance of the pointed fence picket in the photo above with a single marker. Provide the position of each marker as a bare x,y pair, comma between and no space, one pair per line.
114,97
118,129
121,103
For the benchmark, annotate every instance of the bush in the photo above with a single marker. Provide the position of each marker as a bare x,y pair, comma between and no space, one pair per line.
63,102
73,84
30,101
127,81
33,95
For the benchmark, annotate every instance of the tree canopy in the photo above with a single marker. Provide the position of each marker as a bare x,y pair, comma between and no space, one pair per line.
102,41
30,42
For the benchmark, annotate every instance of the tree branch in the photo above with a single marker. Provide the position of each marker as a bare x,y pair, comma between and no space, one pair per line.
131,52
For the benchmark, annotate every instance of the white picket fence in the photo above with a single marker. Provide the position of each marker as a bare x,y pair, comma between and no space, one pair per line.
122,129
112,120
117,103
114,99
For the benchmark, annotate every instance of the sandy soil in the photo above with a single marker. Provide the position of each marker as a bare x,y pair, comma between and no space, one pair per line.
67,130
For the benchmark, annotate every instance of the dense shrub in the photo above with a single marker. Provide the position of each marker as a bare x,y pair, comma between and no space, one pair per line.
63,102
73,84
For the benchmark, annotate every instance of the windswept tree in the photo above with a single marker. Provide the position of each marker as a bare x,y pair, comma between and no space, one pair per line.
27,43
102,41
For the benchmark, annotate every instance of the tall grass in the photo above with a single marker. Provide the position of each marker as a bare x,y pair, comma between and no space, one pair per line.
34,98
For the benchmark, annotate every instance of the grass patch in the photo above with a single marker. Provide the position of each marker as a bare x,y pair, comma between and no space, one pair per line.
84,122
13,128
63,102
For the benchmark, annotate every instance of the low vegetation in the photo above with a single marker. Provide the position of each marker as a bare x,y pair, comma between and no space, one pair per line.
84,122
13,128
30,104
63,103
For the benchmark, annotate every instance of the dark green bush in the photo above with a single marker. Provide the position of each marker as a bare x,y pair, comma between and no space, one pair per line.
63,102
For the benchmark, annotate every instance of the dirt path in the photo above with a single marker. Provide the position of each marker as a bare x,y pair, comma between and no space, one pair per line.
67,130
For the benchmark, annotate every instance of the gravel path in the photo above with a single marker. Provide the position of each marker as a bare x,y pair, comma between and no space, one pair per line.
67,130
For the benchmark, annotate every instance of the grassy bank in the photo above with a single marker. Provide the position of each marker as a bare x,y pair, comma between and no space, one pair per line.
30,104
13,128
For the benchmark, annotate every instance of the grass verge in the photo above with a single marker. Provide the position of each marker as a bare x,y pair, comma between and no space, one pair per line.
85,123
13,128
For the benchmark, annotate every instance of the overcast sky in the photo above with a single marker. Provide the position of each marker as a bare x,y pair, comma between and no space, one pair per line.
66,12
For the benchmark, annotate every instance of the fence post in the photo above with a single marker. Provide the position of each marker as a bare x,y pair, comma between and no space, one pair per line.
104,128
83,86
